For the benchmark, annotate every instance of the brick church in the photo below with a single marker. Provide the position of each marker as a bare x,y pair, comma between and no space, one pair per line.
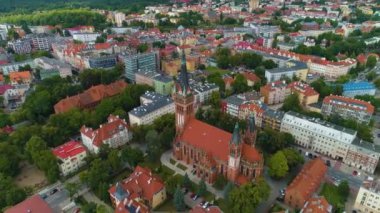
210,150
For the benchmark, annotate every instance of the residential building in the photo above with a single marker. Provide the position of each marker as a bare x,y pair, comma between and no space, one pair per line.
140,62
202,91
71,156
368,197
163,84
44,74
275,92
256,110
102,61
331,140
13,67
251,77
40,41
317,205
50,64
32,204
331,69
119,19
4,88
141,192
114,133
306,94
91,97
13,98
211,209
352,89
236,158
272,119
253,4
307,182
86,37
348,108
231,105
19,78
2,80
153,105
20,46
146,77
290,69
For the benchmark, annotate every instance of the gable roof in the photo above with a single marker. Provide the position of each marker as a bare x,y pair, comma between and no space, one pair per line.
18,76
32,204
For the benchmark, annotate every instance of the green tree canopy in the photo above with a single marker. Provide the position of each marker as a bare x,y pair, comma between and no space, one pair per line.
278,166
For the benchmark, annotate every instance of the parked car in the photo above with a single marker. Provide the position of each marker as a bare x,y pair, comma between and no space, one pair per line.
205,205
328,163
354,173
53,191
195,197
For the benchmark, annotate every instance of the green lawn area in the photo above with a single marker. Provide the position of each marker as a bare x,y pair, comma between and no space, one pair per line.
330,192
172,161
276,208
181,166
167,206
212,70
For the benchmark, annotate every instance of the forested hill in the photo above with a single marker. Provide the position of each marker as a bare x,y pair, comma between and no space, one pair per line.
7,6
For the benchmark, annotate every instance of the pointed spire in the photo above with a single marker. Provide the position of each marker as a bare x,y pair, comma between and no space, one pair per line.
251,123
184,79
236,135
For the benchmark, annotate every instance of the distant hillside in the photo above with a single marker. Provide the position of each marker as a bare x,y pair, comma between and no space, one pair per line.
7,6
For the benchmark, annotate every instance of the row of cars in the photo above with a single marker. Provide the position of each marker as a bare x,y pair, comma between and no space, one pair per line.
194,196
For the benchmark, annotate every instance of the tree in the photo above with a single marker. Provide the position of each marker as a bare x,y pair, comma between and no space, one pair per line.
33,148
9,159
227,189
269,64
178,200
344,190
89,208
153,147
240,84
371,62
293,157
101,209
271,141
202,189
220,182
278,166
142,48
114,160
186,182
132,156
292,103
248,196
215,99
11,194
72,188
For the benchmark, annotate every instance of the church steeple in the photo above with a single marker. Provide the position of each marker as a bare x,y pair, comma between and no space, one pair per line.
236,135
183,81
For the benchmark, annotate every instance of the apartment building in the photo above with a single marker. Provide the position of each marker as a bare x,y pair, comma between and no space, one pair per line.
146,77
306,94
368,197
153,105
86,37
46,63
231,104
352,89
275,92
331,140
21,46
71,156
140,62
114,133
348,108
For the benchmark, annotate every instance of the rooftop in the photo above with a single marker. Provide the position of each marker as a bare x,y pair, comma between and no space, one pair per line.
68,150
372,185
358,86
147,108
350,103
31,204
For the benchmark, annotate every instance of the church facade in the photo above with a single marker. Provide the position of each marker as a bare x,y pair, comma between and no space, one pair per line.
209,150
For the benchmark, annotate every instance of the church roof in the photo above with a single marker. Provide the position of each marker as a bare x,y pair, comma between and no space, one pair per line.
236,135
213,140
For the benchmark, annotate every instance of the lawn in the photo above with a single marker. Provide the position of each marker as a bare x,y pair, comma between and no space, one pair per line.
331,193
167,206
212,70
181,166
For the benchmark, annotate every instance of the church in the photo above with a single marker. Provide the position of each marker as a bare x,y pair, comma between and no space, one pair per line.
209,150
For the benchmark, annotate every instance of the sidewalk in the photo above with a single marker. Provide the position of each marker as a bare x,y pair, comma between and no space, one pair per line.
165,160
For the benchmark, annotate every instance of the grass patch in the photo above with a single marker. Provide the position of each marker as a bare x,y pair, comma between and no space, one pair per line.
166,206
212,70
172,161
181,166
331,193
276,208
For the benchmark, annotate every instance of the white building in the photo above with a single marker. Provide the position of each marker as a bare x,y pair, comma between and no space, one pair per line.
86,37
114,133
71,156
368,197
153,106
331,140
331,69
119,18
14,67
202,91
53,64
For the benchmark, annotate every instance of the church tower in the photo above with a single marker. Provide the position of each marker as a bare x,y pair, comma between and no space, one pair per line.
183,98
235,149
250,133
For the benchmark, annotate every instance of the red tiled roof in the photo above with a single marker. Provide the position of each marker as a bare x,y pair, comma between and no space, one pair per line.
32,204
251,77
105,131
69,149
303,88
4,88
350,103
317,205
1,78
19,76
272,85
90,97
308,180
121,207
206,137
141,183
